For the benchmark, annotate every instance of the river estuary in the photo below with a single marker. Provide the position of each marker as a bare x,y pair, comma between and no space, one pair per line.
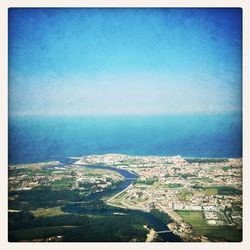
128,179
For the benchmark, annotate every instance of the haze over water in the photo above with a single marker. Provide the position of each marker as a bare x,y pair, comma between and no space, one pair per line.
36,139
136,81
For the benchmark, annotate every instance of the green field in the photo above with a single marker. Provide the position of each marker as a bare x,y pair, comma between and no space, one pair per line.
221,190
207,191
184,195
174,185
96,172
62,183
53,211
221,233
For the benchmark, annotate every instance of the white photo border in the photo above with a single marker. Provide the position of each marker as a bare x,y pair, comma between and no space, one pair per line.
5,4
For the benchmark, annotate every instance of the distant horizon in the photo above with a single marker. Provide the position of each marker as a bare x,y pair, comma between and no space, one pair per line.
33,139
129,115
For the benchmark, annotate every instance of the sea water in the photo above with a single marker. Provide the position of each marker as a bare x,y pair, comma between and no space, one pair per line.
38,139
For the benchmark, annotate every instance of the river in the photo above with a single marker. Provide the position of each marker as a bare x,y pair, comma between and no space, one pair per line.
128,179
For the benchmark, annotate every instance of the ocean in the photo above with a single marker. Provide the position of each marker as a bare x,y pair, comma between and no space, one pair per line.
38,139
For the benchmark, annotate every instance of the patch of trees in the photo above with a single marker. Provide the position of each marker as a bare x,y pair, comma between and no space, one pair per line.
42,197
88,229
163,217
205,160
187,175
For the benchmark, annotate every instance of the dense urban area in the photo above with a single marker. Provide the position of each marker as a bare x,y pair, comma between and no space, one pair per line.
198,199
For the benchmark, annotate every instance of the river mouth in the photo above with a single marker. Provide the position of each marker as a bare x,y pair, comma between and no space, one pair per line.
129,178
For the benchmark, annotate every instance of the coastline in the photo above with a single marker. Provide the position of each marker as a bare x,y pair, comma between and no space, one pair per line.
143,195
78,158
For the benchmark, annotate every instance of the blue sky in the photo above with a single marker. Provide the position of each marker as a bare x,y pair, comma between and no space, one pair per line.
124,61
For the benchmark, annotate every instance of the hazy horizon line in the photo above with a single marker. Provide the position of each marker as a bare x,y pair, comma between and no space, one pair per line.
127,115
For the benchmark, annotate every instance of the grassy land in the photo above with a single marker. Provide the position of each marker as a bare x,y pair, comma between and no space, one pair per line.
53,211
222,190
184,195
174,185
208,191
62,183
96,172
197,220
